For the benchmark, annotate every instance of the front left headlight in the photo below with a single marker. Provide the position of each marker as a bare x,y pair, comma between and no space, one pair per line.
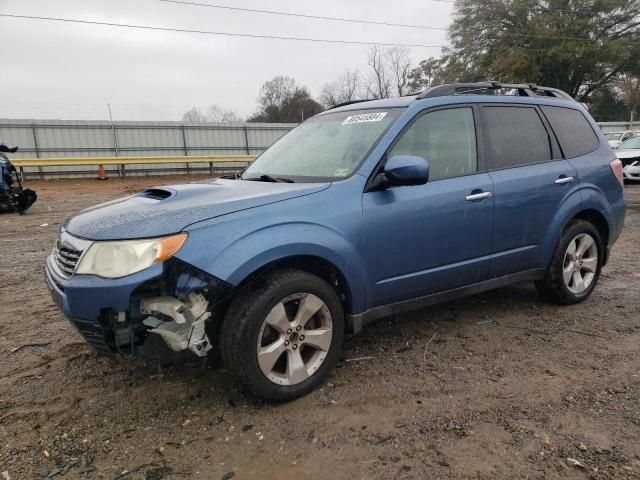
123,257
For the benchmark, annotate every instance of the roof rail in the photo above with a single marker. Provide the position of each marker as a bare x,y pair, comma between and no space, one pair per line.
524,89
350,102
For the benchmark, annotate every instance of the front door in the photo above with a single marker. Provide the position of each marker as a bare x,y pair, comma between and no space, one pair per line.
433,237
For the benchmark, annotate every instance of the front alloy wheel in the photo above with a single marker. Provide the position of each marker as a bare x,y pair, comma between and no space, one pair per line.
294,339
283,338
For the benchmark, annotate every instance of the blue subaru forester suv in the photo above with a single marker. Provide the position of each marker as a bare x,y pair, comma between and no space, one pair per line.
366,210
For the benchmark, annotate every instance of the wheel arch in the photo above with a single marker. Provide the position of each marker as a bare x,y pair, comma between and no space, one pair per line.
591,215
313,264
308,246
598,220
584,204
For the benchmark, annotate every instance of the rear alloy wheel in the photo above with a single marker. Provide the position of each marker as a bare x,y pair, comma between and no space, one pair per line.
283,338
575,266
580,263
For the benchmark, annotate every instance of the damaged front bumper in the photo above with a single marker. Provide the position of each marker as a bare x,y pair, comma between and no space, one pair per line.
184,324
160,312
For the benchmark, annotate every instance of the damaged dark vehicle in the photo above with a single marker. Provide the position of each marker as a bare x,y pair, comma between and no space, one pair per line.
13,197
363,211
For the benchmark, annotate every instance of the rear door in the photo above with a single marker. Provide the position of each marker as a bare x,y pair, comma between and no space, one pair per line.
530,181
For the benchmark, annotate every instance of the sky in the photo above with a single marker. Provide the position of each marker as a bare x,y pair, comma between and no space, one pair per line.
70,71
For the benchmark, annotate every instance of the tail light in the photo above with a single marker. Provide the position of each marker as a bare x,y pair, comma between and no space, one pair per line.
616,167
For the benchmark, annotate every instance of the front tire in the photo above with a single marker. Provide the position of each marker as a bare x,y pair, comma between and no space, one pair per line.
575,266
283,338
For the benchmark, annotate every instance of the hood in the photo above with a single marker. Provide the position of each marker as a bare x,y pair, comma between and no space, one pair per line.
630,153
165,210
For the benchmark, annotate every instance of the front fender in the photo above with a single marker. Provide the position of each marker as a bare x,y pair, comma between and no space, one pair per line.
240,257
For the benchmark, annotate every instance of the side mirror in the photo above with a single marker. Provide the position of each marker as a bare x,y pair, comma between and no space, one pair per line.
403,170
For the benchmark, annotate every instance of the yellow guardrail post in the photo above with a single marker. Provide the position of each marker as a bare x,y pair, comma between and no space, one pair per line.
96,161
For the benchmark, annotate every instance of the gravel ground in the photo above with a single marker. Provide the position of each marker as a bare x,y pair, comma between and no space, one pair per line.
498,385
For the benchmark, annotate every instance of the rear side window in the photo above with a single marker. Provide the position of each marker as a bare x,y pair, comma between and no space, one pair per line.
574,133
516,136
446,139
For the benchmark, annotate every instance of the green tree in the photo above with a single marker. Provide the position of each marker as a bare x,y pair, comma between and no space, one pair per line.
579,46
281,100
428,73
605,106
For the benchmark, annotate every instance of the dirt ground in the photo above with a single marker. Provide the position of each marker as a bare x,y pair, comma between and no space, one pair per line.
499,385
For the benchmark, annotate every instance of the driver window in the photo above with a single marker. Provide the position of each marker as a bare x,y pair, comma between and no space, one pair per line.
446,139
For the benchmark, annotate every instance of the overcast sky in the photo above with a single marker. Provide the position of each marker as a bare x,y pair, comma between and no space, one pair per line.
64,70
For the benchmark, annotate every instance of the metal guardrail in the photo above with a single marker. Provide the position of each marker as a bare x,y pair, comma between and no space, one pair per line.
81,143
120,162
96,161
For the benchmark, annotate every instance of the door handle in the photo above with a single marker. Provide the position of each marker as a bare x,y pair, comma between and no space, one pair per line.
564,179
477,196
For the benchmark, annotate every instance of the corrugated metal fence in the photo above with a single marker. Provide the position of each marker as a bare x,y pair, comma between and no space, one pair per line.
76,139
619,126
58,138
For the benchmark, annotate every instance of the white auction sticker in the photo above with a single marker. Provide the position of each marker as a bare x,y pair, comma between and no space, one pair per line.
364,117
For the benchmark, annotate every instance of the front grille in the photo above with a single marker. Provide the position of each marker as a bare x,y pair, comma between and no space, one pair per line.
67,253
66,258
628,161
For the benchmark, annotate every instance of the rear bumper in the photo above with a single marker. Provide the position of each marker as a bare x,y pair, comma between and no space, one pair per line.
618,211
616,223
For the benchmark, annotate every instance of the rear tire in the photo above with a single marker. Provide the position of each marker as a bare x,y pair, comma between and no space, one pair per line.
575,266
283,338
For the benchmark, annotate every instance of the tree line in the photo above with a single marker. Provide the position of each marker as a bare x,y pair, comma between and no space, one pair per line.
588,48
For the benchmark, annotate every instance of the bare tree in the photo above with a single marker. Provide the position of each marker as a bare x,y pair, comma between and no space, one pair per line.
330,94
351,85
345,89
389,72
380,83
629,88
276,91
399,65
215,113
194,115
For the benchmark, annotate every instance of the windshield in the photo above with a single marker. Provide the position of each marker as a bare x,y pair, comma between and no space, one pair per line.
325,147
632,143
613,136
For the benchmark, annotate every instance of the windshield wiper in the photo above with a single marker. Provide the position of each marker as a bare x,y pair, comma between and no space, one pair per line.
268,178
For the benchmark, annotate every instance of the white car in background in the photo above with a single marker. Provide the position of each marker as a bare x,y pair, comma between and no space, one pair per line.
615,139
629,154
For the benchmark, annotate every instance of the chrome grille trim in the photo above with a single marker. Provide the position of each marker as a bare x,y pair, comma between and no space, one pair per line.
67,253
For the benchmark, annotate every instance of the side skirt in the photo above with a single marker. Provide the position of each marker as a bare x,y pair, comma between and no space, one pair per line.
359,320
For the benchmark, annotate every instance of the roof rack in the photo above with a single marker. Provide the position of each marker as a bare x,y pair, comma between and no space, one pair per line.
524,90
350,102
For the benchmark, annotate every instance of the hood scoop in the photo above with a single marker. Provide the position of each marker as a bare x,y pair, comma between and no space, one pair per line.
156,194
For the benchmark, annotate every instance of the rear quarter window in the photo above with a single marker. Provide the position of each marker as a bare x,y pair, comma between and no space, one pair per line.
516,136
573,131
